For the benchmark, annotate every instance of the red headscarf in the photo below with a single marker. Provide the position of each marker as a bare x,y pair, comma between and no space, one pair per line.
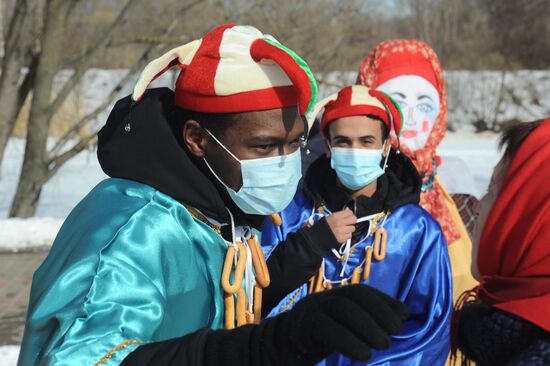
393,58
514,249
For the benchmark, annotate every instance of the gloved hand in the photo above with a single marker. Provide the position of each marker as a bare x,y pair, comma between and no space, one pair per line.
350,320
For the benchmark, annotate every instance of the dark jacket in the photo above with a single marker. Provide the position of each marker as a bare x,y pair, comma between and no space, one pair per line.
491,337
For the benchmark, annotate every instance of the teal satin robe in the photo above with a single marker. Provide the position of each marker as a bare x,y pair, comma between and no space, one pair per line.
129,264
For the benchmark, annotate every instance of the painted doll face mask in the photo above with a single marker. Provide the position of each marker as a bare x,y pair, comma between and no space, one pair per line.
419,101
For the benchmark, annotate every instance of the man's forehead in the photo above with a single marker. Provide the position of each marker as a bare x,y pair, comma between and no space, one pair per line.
273,122
355,126
269,118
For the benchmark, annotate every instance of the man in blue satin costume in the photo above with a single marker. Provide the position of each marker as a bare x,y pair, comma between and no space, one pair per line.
357,175
134,276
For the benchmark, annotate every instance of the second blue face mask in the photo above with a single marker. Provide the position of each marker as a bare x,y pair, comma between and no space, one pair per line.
356,168
269,184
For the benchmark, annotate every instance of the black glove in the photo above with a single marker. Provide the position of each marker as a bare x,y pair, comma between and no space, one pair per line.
295,260
350,320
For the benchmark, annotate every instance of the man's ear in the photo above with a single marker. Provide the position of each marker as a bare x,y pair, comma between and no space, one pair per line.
327,146
194,138
386,147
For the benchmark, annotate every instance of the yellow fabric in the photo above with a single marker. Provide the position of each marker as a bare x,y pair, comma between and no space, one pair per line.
460,252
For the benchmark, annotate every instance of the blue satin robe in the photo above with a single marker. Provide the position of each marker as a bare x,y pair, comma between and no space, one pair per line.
416,270
129,264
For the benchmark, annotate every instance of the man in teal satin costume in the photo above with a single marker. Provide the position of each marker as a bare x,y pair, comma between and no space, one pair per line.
133,277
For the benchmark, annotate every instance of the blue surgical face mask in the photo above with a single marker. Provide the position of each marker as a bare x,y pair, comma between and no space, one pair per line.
357,168
269,184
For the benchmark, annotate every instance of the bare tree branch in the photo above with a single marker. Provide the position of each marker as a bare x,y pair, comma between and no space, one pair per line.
58,162
87,59
152,39
105,38
135,68
83,122
17,43
500,100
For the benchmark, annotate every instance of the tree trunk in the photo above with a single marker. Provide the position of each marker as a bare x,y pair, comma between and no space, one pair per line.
35,169
9,84
40,164
15,49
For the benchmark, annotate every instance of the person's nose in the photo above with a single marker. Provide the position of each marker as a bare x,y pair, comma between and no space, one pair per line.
355,144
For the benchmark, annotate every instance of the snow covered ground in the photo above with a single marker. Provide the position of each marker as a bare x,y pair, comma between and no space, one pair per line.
8,355
21,234
478,151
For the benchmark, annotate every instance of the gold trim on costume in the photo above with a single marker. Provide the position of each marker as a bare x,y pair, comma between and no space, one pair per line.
197,215
291,301
122,345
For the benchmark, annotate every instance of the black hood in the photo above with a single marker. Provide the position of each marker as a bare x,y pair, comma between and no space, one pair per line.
143,142
399,185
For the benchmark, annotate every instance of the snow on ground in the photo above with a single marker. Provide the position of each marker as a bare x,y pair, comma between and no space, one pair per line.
478,151
19,234
8,355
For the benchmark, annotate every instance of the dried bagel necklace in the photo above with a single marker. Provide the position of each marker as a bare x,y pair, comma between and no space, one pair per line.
244,274
377,251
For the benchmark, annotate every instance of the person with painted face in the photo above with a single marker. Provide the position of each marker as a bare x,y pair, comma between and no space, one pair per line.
159,264
411,73
396,247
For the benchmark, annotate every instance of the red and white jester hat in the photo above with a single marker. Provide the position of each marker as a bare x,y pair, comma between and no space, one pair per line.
357,100
235,68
